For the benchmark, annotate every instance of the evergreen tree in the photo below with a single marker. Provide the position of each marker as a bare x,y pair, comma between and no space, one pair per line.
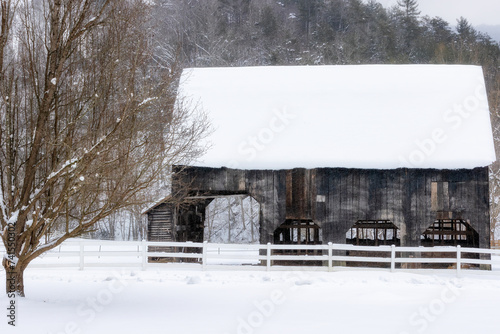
409,30
308,10
409,8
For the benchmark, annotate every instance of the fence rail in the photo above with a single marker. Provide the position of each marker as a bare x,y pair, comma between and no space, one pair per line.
87,254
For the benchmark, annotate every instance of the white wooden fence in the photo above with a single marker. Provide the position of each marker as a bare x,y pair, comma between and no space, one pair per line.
87,254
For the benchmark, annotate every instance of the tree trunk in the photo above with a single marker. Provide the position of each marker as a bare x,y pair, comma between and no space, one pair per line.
14,278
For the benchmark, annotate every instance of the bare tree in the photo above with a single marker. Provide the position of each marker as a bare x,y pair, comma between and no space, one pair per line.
88,120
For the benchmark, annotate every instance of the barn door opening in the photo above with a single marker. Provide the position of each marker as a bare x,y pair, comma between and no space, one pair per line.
449,232
373,233
297,232
232,219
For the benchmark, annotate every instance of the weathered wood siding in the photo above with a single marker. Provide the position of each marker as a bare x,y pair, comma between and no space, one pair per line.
336,198
161,223
300,189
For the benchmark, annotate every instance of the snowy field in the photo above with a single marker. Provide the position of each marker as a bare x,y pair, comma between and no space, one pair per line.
189,300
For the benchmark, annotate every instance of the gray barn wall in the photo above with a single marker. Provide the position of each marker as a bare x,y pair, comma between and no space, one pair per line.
402,196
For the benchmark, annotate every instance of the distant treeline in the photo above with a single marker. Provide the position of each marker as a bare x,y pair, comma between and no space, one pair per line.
300,32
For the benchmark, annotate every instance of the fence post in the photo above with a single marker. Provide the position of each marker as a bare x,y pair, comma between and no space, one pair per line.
268,256
204,255
81,254
393,258
330,261
144,249
459,260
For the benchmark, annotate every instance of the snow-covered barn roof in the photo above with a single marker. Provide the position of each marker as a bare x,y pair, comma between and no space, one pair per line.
361,116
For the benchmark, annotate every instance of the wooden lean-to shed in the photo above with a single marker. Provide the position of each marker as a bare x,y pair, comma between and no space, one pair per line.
368,154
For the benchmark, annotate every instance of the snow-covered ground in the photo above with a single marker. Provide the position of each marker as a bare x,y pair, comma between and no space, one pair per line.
177,300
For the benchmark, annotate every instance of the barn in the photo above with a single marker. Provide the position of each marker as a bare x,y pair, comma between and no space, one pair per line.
365,154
